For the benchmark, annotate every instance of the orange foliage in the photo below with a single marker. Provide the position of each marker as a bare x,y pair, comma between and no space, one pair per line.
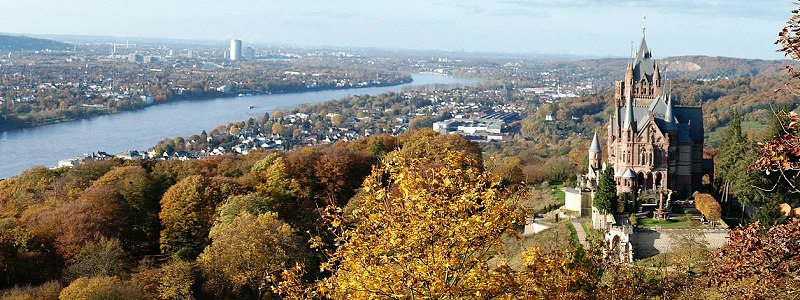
708,206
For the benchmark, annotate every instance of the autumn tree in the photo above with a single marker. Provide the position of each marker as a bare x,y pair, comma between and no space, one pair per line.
789,41
100,212
759,266
425,228
248,253
510,171
172,280
421,122
102,258
708,206
141,195
187,212
557,275
605,198
102,287
339,171
432,145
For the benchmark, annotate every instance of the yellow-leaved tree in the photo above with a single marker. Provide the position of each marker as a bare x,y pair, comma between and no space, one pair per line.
425,228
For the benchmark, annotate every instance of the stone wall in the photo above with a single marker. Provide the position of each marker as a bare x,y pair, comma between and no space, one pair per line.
577,201
647,242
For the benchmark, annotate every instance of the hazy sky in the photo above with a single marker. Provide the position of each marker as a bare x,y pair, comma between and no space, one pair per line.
739,28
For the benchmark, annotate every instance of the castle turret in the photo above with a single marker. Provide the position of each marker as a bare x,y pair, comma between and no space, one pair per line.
594,153
629,81
657,75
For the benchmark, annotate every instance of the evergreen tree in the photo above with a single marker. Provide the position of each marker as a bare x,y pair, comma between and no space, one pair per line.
376,150
733,166
775,129
605,198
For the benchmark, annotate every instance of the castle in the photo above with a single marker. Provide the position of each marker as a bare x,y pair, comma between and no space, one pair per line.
653,143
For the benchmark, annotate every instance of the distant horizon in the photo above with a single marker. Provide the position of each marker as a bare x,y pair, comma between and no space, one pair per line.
585,28
223,44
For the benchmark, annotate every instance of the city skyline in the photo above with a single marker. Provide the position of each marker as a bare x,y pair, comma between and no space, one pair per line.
737,28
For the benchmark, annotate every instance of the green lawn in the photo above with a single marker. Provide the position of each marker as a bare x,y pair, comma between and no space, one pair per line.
573,236
673,223
588,230
544,199
560,196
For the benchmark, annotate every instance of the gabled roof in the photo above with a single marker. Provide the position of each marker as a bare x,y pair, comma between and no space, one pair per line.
629,174
682,117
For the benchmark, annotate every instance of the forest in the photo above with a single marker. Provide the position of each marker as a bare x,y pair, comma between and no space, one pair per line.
419,215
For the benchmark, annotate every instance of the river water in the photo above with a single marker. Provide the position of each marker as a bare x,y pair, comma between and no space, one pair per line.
139,130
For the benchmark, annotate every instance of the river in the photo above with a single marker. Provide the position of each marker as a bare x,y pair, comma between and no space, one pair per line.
22,149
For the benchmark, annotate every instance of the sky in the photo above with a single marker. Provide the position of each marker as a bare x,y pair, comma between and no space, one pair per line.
736,28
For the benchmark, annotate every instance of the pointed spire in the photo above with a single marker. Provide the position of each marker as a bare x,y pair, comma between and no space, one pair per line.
595,147
669,117
656,74
628,112
629,77
644,52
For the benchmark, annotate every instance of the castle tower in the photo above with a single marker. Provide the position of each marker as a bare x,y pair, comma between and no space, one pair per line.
594,154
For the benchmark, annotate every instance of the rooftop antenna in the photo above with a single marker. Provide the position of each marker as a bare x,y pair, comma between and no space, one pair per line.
633,54
644,23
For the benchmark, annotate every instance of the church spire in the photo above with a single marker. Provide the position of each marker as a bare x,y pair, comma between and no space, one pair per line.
644,51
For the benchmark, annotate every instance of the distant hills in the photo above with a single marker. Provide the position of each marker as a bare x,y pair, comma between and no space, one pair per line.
713,66
24,43
694,66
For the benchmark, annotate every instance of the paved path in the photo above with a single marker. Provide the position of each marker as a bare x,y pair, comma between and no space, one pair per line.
579,231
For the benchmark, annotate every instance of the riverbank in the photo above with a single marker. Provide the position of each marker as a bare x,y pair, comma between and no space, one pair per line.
141,129
78,113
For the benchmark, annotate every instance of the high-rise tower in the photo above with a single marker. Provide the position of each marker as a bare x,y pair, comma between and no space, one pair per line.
236,49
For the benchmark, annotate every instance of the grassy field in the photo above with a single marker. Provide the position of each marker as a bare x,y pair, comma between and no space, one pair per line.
557,237
672,223
543,198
